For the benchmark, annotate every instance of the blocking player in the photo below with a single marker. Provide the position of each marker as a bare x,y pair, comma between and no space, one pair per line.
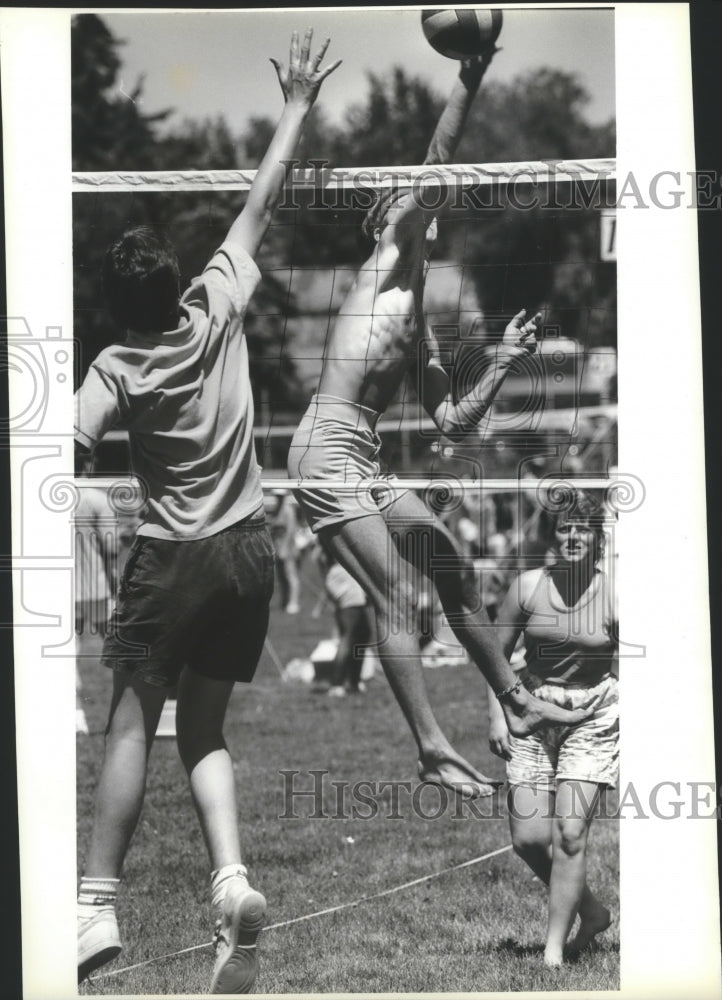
194,596
370,528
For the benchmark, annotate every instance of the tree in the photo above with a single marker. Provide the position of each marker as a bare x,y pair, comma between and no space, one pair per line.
198,145
394,125
109,131
540,115
546,256
539,258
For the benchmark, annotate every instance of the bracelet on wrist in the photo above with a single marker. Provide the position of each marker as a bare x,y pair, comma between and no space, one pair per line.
512,689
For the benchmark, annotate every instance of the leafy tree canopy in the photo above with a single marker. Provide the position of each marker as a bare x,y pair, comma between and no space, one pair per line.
536,258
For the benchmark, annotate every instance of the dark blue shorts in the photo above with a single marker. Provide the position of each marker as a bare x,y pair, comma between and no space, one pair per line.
202,604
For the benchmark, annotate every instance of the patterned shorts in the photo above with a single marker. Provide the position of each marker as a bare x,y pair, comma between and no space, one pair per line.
587,752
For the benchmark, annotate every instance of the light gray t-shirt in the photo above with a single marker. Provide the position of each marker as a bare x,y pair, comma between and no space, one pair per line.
185,398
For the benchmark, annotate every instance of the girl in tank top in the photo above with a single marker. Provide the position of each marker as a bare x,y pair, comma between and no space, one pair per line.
564,611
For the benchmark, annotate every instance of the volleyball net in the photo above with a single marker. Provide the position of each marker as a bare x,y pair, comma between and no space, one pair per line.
535,234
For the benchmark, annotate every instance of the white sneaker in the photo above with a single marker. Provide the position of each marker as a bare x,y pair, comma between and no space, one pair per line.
242,916
98,941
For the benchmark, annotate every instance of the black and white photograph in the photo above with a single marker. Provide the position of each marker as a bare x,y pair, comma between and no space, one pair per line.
344,487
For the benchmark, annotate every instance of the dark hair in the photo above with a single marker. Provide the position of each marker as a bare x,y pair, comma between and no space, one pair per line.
141,281
376,216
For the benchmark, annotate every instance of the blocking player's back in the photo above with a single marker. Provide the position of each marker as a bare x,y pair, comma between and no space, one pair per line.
184,397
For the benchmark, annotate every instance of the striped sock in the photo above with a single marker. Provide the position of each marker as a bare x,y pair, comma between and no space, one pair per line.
221,878
95,894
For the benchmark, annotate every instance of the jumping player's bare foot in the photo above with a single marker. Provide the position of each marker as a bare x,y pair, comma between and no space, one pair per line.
525,714
591,924
451,771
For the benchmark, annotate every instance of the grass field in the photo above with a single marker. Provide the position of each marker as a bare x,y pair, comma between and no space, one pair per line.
479,929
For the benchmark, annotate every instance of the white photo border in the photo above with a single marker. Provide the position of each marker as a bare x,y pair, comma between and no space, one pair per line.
669,887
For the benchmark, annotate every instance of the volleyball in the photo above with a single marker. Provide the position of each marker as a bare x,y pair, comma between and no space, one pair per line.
461,34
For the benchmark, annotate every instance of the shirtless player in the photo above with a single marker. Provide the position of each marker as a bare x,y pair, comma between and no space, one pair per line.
366,525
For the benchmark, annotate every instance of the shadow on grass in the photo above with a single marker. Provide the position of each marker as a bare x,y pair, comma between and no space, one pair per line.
595,948
519,950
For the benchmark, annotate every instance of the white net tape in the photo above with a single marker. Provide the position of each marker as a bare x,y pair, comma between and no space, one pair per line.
557,415
371,178
539,486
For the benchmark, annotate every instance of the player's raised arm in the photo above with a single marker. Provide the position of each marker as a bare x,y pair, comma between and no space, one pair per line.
454,416
451,124
408,210
300,83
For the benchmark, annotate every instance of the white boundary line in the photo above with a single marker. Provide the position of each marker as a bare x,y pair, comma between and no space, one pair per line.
317,913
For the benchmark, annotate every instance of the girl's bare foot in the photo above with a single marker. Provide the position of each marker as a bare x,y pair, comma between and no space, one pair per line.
552,959
591,924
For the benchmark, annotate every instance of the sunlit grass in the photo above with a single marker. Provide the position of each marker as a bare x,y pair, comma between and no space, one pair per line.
478,929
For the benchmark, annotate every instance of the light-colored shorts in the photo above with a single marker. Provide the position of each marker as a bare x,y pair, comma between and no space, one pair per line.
587,752
336,441
343,589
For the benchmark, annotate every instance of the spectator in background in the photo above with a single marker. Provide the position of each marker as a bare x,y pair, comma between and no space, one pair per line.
284,531
96,559
352,622
494,575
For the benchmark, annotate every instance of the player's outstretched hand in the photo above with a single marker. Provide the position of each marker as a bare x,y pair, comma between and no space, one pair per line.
476,66
521,332
303,78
